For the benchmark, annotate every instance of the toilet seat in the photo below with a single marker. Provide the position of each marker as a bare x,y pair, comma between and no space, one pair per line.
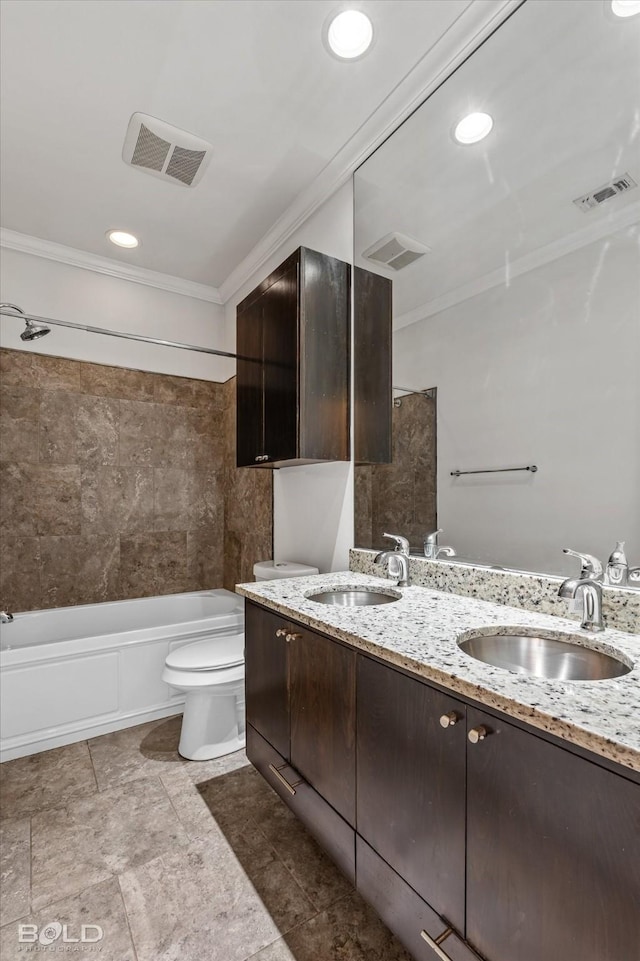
216,653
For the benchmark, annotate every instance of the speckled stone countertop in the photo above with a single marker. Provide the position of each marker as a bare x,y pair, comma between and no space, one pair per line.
420,631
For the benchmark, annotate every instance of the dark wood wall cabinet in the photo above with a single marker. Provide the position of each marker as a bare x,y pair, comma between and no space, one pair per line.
473,837
372,387
293,345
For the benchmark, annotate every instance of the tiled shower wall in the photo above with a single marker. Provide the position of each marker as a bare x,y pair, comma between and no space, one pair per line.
401,496
116,482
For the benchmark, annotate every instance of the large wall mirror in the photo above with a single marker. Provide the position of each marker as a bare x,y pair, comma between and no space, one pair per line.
516,319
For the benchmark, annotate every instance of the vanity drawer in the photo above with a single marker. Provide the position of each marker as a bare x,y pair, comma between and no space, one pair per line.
332,831
404,912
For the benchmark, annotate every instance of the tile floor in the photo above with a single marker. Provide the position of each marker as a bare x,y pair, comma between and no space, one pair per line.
174,860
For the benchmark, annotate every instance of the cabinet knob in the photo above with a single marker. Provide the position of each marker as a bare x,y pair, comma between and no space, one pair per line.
281,632
293,637
448,720
477,733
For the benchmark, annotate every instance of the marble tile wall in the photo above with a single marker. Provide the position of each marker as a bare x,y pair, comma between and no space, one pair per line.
114,485
401,496
248,505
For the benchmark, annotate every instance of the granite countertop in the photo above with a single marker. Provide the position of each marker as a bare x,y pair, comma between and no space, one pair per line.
419,632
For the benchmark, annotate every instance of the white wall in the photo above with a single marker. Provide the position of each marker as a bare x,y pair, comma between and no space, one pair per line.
313,506
60,291
544,371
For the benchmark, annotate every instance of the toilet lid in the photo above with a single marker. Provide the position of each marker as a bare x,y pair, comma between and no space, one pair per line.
211,654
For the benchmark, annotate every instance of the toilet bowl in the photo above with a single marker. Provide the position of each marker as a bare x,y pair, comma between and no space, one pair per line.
211,674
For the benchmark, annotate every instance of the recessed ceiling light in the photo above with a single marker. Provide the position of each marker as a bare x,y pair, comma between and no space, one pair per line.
122,239
625,8
349,34
473,127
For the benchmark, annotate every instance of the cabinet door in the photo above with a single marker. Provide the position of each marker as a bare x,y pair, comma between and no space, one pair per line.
249,386
411,783
553,867
280,355
323,716
267,676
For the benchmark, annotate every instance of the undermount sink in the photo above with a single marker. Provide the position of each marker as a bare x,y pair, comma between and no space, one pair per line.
547,657
354,597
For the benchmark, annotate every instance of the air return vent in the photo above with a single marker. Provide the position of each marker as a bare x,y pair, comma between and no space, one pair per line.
396,251
165,151
618,186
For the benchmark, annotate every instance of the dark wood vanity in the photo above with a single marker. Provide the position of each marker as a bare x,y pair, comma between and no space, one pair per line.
293,364
472,836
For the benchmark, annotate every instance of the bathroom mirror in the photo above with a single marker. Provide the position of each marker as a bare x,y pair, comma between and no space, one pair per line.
516,311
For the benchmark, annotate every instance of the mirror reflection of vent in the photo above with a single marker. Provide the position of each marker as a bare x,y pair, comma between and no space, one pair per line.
165,151
618,186
396,251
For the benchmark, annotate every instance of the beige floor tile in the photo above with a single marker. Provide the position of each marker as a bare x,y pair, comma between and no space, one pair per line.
99,905
195,904
141,751
15,869
42,781
93,839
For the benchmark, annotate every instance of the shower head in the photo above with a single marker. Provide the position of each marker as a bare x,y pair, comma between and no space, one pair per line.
33,331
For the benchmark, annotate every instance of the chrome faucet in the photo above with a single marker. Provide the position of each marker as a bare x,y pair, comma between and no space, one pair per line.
589,584
431,549
397,560
6,617
592,601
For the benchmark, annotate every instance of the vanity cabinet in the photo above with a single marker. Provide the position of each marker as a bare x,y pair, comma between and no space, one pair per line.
553,851
411,783
472,836
292,386
301,717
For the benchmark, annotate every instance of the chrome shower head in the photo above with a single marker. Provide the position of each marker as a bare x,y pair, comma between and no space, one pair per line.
33,331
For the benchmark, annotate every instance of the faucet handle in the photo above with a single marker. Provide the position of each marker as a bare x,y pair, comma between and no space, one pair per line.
432,537
591,566
402,544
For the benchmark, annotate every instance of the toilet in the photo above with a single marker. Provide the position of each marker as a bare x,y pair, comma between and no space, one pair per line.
211,674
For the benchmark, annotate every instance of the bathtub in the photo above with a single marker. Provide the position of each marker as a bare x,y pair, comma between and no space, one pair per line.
75,672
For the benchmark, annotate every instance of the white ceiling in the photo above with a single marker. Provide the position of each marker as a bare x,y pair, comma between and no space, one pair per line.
253,78
561,80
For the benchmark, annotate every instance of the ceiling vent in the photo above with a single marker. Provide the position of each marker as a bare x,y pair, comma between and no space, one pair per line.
165,151
396,251
618,186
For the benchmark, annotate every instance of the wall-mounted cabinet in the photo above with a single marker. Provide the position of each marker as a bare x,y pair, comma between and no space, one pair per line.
293,339
372,388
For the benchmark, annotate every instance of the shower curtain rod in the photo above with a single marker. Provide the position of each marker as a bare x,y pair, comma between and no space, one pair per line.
117,333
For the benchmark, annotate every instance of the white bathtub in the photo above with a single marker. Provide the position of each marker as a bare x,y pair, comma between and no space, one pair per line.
75,672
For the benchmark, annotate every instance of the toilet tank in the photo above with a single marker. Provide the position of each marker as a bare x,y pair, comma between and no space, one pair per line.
273,570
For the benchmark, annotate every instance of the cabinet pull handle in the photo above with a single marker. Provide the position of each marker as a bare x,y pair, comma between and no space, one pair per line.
292,637
448,720
435,943
260,458
477,733
291,788
281,632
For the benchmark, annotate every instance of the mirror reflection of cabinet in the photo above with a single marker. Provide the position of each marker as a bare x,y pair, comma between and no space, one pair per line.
372,393
293,364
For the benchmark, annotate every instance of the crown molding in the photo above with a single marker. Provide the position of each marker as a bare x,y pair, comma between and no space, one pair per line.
628,216
474,25
13,240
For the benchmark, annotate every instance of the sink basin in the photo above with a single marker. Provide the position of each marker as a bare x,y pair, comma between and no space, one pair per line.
354,597
541,656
